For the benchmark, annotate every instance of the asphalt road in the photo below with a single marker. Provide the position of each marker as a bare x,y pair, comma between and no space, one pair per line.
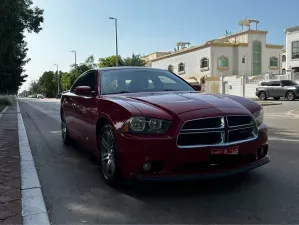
75,194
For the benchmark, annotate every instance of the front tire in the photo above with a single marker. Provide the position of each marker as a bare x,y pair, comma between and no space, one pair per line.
67,140
290,96
262,96
109,158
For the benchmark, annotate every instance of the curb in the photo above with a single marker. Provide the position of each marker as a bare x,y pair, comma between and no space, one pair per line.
269,103
293,114
34,210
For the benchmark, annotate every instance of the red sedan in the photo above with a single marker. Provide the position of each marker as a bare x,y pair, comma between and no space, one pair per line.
150,124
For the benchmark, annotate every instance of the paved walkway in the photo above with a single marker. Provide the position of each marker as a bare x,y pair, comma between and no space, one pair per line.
10,178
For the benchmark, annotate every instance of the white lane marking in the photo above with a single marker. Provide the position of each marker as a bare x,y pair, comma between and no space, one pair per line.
34,210
282,139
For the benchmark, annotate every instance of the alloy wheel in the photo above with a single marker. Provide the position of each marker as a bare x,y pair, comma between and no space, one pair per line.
63,130
108,155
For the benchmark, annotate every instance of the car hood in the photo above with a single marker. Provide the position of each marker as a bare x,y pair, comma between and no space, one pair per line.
184,102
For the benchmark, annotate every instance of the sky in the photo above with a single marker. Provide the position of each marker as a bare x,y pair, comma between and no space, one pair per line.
143,27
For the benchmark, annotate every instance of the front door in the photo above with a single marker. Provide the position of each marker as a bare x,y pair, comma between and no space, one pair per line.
87,111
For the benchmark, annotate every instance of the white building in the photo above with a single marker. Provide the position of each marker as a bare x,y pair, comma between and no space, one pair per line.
245,52
292,49
283,62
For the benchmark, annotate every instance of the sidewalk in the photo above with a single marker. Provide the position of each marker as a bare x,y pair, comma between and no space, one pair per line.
10,178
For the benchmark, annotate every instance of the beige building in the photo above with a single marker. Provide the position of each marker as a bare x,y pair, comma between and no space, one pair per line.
246,52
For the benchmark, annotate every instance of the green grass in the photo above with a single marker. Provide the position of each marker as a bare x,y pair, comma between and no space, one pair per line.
6,100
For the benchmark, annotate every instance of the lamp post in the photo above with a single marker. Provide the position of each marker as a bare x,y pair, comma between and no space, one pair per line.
57,79
75,59
116,44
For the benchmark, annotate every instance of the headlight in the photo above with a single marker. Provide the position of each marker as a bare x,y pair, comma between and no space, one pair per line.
259,116
144,125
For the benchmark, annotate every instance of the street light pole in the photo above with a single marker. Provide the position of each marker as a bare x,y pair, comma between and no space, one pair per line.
57,80
75,59
116,41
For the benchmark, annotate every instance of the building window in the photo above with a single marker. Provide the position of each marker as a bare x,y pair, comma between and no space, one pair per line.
170,68
283,58
222,61
204,63
283,71
181,67
243,59
273,62
295,50
257,58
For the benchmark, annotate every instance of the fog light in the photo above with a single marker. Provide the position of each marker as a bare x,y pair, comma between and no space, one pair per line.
147,166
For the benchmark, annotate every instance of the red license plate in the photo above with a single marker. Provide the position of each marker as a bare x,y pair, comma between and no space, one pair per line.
226,151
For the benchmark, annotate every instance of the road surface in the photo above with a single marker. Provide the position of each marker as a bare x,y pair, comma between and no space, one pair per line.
75,193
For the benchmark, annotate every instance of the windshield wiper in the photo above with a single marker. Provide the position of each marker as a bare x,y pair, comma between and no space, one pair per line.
121,92
170,90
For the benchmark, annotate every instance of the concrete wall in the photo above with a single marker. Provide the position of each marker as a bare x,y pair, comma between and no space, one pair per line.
190,59
290,37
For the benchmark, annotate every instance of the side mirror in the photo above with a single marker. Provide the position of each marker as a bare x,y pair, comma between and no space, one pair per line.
196,86
83,90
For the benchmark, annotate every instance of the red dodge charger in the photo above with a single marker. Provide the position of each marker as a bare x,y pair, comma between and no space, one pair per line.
151,125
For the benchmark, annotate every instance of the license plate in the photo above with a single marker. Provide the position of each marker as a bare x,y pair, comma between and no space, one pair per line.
226,151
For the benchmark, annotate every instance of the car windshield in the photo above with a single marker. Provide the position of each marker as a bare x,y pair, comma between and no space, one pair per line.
140,80
288,83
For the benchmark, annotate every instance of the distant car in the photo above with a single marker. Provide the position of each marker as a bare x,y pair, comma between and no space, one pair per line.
152,125
278,89
40,96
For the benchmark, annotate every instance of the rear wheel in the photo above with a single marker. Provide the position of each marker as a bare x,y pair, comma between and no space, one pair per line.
290,96
108,151
262,96
67,140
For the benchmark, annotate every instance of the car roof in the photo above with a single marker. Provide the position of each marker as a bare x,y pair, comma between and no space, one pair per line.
129,68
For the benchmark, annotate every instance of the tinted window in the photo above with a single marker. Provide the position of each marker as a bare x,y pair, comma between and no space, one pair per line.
141,80
288,83
274,83
78,82
90,80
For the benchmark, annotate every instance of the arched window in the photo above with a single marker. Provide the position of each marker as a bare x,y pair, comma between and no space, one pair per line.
181,67
222,61
257,58
283,71
204,62
170,68
283,58
273,61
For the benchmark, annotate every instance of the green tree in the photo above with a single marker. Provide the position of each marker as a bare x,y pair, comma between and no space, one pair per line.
110,61
48,84
16,17
135,60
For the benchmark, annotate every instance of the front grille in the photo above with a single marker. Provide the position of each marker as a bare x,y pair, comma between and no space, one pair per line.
217,131
209,138
209,123
215,163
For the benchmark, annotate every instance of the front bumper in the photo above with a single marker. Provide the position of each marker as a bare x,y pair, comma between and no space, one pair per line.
134,152
206,176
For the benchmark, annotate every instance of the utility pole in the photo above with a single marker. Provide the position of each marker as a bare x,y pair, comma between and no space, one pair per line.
116,41
75,59
57,80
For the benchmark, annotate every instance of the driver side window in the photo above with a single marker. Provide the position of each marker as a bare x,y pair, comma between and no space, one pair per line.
78,83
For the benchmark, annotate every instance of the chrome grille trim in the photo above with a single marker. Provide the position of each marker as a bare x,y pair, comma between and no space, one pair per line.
225,128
